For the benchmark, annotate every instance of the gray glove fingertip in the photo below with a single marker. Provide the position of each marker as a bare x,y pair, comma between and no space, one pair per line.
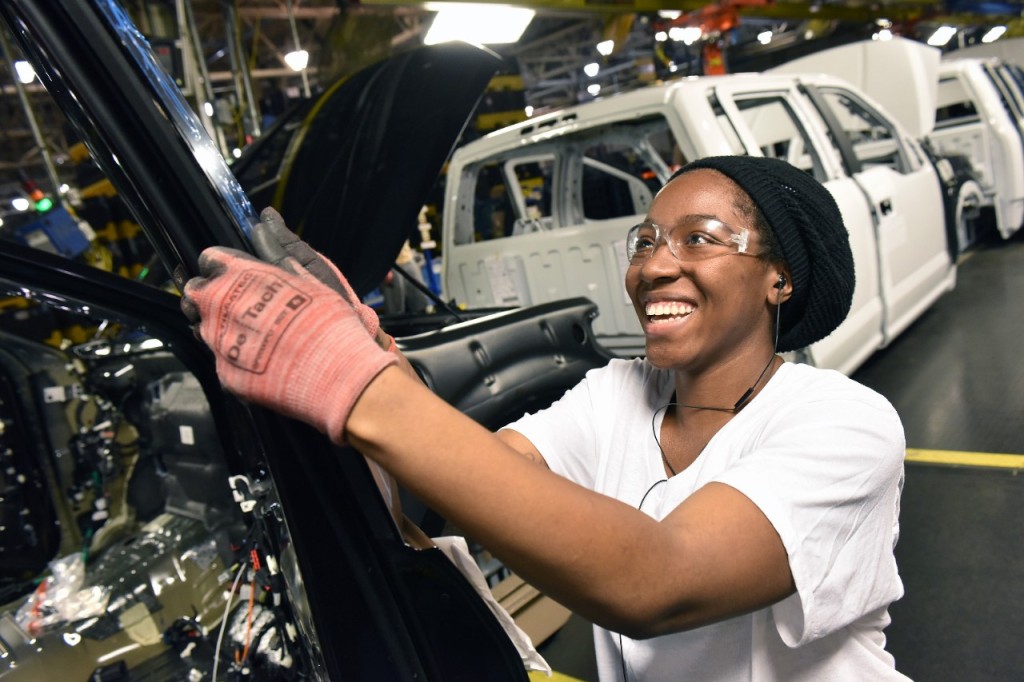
274,224
187,305
213,259
267,245
273,240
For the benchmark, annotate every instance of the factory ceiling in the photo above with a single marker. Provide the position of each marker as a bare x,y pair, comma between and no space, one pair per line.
341,37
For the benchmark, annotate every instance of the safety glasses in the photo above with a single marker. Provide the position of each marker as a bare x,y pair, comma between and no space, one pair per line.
694,238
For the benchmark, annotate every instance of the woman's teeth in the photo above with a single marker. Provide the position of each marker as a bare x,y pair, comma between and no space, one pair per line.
667,309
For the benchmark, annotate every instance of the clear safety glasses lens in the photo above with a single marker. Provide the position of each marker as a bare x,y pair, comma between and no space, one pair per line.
691,240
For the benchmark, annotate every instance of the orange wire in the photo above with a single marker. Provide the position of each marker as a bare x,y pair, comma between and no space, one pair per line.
248,621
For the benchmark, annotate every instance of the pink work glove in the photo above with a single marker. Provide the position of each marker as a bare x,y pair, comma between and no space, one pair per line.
273,242
282,338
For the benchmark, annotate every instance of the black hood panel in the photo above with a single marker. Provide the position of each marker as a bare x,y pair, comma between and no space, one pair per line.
362,163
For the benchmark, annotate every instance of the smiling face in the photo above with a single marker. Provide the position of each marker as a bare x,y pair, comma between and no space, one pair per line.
699,312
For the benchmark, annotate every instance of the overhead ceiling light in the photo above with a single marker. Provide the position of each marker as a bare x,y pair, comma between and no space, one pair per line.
941,36
591,69
480,24
687,35
26,74
297,60
605,47
993,34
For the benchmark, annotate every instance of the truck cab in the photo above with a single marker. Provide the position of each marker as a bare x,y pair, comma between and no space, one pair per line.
980,115
539,211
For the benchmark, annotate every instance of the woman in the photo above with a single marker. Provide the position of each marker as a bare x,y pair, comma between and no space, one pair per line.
733,516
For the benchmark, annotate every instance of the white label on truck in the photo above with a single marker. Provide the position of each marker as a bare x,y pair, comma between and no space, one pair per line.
503,281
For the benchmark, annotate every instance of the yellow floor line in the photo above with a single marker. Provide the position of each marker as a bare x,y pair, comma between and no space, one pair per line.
971,459
555,677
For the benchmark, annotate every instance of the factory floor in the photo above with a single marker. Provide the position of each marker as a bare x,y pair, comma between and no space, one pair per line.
956,377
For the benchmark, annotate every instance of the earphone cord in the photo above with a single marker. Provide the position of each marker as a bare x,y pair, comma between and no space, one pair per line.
739,403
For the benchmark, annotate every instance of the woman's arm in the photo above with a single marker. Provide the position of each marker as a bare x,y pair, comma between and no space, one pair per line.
714,557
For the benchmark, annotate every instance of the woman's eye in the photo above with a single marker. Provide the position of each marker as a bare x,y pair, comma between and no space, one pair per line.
699,238
644,242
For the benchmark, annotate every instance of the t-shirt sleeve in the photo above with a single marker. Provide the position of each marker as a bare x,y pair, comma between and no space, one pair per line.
828,475
567,433
563,435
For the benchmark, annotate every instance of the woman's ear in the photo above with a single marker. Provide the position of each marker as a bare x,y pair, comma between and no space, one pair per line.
782,289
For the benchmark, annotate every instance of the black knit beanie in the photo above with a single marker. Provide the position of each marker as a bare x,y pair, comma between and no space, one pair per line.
816,246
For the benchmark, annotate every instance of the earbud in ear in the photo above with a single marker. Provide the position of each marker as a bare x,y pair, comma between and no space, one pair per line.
781,283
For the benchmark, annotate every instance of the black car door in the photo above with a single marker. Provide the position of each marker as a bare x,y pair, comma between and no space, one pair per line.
301,520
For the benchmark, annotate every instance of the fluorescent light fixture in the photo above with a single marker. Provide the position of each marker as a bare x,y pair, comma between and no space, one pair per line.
591,69
994,34
297,60
594,88
605,47
687,35
764,37
941,36
20,204
480,24
26,74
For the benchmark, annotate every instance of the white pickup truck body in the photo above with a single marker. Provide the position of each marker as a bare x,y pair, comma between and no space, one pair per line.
539,211
978,114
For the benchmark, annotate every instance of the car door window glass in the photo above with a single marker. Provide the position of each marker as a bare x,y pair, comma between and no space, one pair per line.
82,219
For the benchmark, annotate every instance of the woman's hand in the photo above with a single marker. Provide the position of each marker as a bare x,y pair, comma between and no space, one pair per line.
282,338
274,242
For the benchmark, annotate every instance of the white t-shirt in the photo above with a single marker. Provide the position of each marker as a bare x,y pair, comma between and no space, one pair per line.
818,453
